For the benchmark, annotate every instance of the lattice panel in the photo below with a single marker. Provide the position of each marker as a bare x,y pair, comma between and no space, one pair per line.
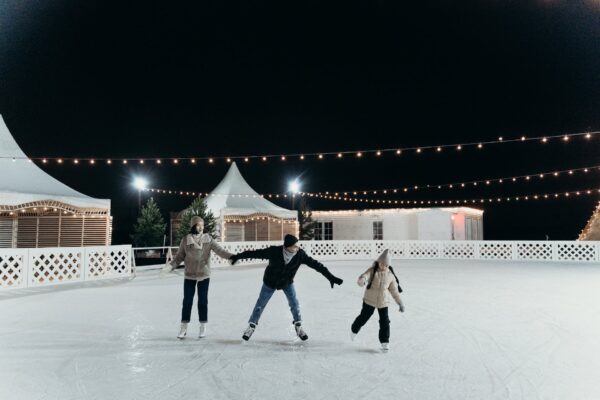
323,248
396,249
459,250
577,252
12,269
495,251
357,249
107,262
534,251
423,250
57,266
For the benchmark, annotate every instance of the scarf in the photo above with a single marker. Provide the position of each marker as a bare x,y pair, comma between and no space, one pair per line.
287,256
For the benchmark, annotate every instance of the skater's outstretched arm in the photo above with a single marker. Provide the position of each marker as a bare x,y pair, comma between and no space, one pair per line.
317,266
221,252
363,278
264,254
180,256
393,288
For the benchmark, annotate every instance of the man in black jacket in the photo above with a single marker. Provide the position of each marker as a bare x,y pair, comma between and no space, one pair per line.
284,262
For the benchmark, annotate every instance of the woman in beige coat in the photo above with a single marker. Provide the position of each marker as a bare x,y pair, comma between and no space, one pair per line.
380,280
194,250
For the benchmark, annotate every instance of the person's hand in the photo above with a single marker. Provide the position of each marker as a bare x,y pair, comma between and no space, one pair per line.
333,280
233,259
401,306
166,269
362,281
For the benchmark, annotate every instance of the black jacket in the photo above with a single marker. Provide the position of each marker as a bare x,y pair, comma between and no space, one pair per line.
278,275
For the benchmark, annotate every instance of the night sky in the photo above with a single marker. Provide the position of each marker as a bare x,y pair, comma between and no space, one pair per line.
147,79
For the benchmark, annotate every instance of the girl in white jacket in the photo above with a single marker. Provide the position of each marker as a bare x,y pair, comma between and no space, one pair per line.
380,279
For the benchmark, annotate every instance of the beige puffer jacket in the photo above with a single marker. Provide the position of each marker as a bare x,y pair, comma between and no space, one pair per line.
383,281
195,250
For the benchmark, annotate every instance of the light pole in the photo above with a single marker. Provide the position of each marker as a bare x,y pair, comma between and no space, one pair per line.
140,184
294,187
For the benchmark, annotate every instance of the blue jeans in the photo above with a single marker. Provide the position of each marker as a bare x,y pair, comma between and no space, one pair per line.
264,297
189,289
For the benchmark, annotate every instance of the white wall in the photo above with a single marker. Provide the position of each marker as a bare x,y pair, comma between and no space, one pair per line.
399,224
434,225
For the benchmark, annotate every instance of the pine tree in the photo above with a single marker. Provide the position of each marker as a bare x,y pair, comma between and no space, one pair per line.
149,231
305,221
198,207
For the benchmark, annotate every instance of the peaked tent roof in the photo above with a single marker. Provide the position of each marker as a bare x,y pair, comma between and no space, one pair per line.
233,196
592,228
21,181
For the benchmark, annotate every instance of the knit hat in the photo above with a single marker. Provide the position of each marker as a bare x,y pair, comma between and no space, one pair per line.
289,240
384,259
196,219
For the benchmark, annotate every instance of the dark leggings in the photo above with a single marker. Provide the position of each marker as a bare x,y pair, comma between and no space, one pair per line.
189,289
384,321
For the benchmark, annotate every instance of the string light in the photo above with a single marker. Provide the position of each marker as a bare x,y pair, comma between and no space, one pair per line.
378,152
535,196
487,181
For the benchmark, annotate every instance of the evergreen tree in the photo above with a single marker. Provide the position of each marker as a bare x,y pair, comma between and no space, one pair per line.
149,231
198,207
305,221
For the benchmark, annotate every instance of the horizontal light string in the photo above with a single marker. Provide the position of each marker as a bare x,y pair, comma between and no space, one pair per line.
301,156
495,199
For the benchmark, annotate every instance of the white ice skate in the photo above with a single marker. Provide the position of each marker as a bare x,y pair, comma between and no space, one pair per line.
353,335
300,331
202,331
249,331
182,330
385,347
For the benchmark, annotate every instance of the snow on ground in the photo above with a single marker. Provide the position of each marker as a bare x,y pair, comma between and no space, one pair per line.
471,330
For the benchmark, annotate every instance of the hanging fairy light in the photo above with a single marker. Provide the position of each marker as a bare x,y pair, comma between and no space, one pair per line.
378,152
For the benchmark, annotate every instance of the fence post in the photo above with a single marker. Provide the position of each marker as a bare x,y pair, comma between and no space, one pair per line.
84,263
554,251
29,267
25,268
515,251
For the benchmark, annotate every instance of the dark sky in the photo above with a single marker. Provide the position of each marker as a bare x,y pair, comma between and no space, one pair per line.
165,79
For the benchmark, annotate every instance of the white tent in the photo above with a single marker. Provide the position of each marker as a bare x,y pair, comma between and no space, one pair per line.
233,196
244,215
37,203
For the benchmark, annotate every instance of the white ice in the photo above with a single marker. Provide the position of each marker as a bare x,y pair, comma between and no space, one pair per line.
471,330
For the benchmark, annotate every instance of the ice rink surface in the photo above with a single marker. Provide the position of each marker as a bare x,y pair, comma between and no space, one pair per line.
471,330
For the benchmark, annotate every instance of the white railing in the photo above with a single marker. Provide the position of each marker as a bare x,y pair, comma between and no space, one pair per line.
26,268
548,251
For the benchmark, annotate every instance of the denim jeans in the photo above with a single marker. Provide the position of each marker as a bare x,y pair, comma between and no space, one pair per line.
384,321
189,289
264,297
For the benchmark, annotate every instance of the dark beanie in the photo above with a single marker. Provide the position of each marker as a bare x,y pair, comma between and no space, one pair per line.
289,240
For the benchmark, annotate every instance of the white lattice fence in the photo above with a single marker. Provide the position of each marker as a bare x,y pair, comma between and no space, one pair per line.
106,262
13,268
50,266
559,251
23,268
577,251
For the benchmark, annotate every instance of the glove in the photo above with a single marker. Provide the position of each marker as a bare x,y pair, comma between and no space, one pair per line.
401,306
362,281
335,280
233,259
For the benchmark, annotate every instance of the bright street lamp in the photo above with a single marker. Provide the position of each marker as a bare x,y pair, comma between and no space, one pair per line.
140,184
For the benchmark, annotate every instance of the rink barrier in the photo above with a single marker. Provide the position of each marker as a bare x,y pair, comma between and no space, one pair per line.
28,268
543,251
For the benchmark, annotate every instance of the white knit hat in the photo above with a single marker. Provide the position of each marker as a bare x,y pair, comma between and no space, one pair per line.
384,259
